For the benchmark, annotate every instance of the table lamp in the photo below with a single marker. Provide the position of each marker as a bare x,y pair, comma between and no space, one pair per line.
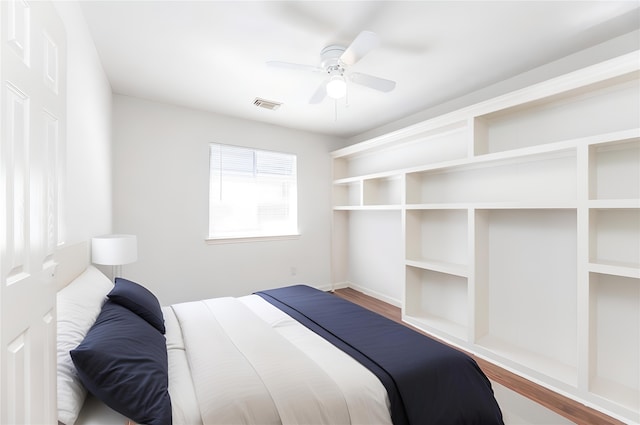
114,250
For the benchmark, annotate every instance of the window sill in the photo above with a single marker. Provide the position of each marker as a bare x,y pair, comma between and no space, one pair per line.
241,239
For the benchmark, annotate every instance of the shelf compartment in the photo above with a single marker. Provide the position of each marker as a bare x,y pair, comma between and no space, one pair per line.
549,177
529,282
615,170
537,362
374,251
382,190
413,148
438,237
614,237
562,117
436,302
615,333
348,194
340,168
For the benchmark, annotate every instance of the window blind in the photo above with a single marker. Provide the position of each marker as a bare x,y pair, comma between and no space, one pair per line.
252,193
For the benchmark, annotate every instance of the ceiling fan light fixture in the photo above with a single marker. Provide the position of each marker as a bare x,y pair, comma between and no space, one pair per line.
335,61
336,87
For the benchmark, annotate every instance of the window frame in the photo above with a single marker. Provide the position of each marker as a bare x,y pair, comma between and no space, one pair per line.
249,236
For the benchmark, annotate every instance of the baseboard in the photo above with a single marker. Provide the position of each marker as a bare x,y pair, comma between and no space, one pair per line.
375,294
340,285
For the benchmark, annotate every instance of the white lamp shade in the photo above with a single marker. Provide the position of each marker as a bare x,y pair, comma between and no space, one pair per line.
114,250
336,87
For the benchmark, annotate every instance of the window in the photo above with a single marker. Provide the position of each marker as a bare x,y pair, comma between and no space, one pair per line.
252,193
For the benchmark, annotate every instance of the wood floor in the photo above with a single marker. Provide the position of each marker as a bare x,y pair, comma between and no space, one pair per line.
570,409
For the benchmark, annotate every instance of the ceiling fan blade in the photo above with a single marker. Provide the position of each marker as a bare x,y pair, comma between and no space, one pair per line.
363,44
320,94
375,83
298,66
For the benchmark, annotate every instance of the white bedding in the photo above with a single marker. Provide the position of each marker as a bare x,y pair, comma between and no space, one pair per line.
184,404
252,363
242,360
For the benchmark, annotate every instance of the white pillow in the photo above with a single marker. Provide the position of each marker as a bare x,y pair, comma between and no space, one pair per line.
78,305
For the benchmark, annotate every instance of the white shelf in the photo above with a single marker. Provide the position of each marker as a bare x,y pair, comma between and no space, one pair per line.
614,203
440,267
367,208
546,151
514,205
458,206
359,179
616,269
617,150
614,138
512,228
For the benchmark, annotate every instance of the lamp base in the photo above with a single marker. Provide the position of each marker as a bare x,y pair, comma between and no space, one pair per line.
116,271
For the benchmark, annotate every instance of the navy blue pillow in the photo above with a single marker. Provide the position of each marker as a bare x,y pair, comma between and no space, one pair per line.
123,362
138,299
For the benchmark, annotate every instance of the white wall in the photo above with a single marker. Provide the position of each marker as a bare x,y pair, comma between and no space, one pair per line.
161,171
87,206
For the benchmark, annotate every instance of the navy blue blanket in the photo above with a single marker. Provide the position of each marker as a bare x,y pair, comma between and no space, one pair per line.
427,381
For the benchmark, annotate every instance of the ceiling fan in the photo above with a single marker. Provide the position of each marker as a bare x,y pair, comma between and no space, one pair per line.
335,61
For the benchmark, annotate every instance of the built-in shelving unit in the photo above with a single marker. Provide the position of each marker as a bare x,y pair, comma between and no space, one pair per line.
511,228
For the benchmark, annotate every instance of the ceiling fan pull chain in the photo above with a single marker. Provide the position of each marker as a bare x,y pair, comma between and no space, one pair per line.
346,97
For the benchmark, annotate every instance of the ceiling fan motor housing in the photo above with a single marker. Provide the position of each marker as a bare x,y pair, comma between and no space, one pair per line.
331,57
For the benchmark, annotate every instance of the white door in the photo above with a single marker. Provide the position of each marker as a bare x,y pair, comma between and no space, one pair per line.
32,127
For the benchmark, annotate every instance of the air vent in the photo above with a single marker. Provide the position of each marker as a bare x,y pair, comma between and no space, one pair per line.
266,104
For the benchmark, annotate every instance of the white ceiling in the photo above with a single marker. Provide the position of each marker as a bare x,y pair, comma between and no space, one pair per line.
211,55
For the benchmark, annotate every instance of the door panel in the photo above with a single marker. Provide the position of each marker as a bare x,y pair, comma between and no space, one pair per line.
32,125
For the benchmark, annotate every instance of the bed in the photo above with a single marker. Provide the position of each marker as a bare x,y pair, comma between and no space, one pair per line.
291,355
